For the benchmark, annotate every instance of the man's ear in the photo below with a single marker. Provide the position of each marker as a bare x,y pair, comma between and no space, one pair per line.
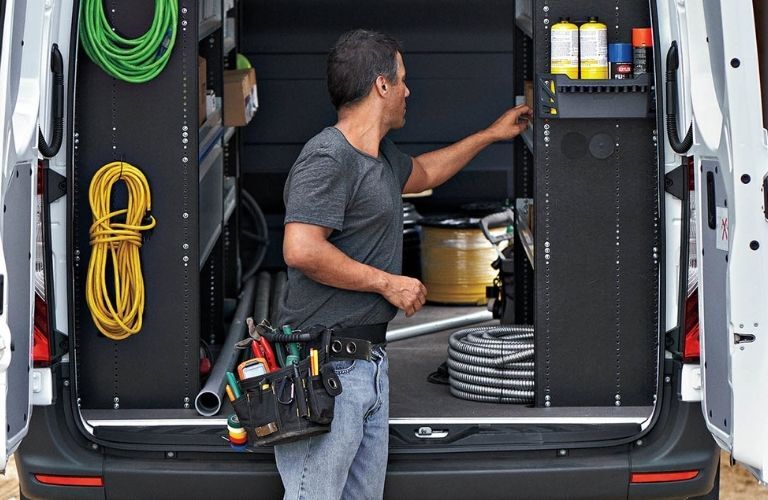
381,85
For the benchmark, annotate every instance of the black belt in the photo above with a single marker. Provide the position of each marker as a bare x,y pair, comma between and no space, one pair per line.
356,342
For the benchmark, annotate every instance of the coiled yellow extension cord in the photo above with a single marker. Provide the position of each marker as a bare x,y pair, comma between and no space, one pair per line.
122,317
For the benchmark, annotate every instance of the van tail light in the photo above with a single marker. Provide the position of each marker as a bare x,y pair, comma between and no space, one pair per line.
691,347
41,340
691,178
41,347
663,477
41,166
70,480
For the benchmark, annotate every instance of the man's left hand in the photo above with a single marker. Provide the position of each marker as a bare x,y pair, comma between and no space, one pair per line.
511,123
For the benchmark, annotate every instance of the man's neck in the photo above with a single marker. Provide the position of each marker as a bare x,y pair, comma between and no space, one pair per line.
362,128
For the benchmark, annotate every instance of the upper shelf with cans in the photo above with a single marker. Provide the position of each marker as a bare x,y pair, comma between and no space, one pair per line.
590,78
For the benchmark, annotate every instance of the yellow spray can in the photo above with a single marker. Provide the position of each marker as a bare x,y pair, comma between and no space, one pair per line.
565,49
593,38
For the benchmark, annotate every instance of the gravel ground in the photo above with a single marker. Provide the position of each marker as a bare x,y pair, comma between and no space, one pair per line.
735,483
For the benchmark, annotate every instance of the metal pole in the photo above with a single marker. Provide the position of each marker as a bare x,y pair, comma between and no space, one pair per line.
208,401
261,304
436,326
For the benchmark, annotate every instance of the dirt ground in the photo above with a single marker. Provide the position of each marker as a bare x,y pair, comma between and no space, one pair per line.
9,483
735,483
738,484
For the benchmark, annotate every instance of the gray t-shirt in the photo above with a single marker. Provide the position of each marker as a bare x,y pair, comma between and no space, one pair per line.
334,185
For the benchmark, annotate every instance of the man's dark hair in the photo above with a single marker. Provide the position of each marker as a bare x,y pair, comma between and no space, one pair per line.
354,63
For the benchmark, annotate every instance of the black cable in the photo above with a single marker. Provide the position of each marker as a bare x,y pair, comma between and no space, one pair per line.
260,237
671,103
57,107
257,238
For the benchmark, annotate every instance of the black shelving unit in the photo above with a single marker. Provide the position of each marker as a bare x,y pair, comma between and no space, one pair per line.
594,183
193,250
524,164
524,16
231,264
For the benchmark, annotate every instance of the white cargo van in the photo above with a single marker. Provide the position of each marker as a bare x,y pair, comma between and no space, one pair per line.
644,291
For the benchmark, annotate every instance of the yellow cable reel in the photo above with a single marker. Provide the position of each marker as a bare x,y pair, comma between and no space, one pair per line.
456,260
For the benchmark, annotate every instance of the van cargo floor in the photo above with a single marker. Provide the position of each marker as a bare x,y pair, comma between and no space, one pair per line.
413,397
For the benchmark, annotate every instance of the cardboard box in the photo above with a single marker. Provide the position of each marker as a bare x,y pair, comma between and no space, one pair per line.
528,92
240,97
202,87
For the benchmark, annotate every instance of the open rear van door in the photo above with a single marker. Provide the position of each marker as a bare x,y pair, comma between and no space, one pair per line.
21,50
719,83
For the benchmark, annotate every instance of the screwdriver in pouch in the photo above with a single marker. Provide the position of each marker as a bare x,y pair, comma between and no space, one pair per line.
293,348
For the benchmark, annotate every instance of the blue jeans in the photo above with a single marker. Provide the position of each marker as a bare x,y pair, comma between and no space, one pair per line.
350,462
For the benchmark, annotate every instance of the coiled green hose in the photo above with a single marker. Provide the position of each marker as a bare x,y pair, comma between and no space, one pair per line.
134,60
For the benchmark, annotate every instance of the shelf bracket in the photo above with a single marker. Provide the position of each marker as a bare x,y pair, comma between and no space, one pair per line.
673,182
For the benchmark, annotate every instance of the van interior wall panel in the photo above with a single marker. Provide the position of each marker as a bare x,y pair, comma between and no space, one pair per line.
597,241
142,124
459,62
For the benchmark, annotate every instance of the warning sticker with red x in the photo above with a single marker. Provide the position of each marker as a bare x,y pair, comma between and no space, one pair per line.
722,228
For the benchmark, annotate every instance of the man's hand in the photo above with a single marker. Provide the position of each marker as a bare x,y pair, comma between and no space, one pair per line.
511,123
405,293
435,167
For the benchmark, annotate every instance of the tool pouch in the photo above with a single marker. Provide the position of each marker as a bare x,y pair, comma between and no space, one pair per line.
290,404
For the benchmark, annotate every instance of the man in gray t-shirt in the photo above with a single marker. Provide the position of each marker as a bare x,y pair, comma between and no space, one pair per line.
343,249
358,197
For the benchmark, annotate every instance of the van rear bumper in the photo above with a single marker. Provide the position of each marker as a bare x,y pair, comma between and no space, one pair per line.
679,441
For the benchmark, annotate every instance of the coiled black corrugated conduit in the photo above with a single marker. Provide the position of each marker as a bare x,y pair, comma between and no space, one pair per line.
492,364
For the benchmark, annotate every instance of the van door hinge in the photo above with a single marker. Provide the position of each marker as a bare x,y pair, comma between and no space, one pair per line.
55,185
673,182
672,340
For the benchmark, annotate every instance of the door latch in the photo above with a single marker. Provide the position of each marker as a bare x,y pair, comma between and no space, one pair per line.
429,433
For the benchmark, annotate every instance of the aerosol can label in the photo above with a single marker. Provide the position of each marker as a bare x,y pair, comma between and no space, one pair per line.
565,49
594,51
